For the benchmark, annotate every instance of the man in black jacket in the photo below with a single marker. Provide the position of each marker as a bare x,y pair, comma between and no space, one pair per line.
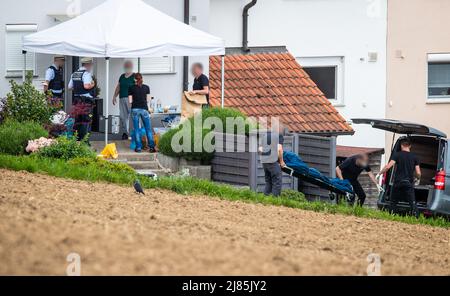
407,174
351,169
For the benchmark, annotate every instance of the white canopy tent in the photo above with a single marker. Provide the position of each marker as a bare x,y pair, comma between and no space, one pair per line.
124,29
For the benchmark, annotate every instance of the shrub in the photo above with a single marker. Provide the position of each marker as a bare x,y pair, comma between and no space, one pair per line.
14,136
67,148
165,143
226,113
166,148
99,163
2,109
26,103
294,195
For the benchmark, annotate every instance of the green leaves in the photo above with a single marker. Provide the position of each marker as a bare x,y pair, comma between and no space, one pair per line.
25,103
67,148
14,136
217,119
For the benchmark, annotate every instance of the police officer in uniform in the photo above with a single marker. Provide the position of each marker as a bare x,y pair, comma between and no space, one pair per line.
54,78
83,86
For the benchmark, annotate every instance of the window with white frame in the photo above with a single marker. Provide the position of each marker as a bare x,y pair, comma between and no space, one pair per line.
13,47
328,74
155,65
438,76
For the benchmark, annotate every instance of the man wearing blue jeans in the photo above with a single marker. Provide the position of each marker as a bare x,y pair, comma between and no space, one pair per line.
139,111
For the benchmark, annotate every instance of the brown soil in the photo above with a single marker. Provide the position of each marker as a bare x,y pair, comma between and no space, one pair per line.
43,219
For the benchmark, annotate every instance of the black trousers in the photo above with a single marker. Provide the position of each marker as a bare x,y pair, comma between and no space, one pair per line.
401,190
274,179
357,188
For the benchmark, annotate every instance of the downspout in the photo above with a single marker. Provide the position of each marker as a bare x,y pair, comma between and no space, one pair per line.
186,59
245,25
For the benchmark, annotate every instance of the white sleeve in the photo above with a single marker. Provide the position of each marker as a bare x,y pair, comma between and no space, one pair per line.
87,78
70,83
49,74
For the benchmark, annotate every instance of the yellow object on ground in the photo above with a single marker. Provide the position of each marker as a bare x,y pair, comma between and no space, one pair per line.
110,151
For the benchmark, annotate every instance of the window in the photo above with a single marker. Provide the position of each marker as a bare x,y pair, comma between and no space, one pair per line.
328,74
14,56
325,78
157,65
439,76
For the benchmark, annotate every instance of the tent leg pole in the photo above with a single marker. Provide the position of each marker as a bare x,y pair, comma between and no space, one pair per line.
223,82
24,73
139,65
107,103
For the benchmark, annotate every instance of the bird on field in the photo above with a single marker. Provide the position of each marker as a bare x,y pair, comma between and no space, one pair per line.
138,187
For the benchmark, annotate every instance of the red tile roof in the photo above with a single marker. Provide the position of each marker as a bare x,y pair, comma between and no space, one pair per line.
348,151
275,85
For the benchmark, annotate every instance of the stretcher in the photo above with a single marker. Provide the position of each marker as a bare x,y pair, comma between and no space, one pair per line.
298,169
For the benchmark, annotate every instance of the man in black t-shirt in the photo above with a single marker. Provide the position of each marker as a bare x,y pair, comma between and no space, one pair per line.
201,82
407,173
350,170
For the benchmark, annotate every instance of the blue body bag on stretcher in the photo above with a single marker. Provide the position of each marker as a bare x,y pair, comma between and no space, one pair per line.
294,162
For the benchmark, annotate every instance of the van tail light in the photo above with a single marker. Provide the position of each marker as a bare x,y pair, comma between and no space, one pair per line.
384,179
439,183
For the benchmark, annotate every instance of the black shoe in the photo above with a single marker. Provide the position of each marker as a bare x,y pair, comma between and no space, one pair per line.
124,136
152,150
137,151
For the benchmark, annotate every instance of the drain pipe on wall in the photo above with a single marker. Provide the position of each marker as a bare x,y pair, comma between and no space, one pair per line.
245,25
186,59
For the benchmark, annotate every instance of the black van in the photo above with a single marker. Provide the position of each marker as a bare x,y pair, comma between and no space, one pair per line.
432,148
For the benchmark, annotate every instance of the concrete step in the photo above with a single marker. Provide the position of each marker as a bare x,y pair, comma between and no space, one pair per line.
122,146
150,173
133,156
143,165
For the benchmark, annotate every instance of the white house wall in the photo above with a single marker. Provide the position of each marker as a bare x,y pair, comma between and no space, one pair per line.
166,87
322,28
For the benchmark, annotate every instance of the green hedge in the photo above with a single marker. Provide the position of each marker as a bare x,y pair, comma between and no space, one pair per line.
14,136
184,132
25,103
224,114
165,143
67,148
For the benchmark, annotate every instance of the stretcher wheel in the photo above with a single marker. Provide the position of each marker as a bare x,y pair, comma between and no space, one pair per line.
351,198
332,196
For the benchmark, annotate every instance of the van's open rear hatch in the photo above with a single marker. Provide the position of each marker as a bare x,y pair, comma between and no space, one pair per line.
401,127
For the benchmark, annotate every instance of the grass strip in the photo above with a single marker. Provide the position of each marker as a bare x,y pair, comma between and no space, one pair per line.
96,172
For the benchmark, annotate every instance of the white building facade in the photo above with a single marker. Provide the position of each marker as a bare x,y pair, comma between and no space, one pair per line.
341,44
21,17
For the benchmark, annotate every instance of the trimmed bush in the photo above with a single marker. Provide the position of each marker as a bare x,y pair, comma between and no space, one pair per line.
226,113
102,164
166,148
26,103
14,136
165,143
67,149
